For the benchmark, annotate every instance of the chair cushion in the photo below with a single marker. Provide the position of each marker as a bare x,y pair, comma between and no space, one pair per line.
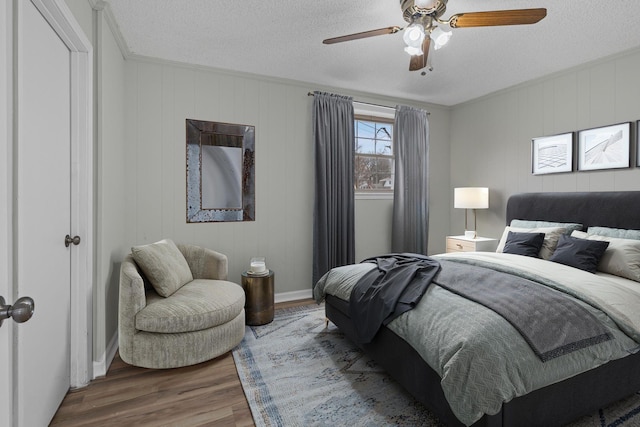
200,304
164,265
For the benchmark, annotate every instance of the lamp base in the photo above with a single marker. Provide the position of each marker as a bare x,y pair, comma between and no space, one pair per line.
470,234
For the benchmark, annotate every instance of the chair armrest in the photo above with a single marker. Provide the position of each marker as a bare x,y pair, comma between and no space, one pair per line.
205,263
131,300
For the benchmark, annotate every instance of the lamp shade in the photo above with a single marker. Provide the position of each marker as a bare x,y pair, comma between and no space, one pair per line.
471,198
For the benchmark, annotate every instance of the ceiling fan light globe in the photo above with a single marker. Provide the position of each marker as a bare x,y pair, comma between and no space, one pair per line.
413,50
426,4
413,35
440,37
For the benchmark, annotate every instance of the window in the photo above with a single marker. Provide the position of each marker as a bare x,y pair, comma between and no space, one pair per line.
374,155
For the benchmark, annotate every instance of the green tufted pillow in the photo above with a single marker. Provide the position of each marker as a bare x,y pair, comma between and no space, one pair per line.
568,226
164,265
619,233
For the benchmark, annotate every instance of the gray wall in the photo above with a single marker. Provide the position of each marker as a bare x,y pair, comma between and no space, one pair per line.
140,178
140,110
111,238
161,96
491,136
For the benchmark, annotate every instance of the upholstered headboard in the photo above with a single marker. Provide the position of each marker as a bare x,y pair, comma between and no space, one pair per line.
617,209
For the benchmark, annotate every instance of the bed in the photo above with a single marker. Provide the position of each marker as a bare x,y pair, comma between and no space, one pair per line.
556,401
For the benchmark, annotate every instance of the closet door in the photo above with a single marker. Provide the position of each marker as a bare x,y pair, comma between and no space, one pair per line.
42,219
46,171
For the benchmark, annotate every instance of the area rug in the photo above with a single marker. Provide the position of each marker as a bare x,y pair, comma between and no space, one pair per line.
297,372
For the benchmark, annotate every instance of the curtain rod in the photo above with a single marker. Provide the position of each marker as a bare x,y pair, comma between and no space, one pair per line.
369,103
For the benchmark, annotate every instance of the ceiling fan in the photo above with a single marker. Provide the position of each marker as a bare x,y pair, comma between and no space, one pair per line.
423,17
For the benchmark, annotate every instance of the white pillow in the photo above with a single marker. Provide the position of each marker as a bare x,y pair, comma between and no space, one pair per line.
622,257
551,236
579,234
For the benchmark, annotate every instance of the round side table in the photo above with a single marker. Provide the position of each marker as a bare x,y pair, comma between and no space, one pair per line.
258,291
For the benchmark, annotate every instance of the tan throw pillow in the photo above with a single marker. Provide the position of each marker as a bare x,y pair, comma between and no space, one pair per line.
164,265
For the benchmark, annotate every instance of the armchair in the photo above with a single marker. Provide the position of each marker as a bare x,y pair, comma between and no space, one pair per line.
201,319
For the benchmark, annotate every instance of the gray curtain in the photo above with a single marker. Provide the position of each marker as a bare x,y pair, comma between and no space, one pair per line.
333,219
410,226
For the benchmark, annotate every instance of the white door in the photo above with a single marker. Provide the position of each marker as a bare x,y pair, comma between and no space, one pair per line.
43,183
5,208
46,170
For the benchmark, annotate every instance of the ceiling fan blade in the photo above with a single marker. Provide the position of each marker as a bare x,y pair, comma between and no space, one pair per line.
497,17
362,35
418,62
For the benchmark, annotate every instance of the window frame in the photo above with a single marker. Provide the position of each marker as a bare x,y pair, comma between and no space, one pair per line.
376,117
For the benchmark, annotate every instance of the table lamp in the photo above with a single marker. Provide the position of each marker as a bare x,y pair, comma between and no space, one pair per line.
470,198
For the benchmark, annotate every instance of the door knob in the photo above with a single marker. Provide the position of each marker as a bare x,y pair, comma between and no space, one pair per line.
69,240
20,311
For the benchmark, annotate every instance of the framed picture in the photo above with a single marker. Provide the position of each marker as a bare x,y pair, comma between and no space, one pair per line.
604,148
552,154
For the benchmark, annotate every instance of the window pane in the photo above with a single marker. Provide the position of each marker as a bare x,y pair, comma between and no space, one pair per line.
383,148
365,129
365,146
384,131
374,173
374,162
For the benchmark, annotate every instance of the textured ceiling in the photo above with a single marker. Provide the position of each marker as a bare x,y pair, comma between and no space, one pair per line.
283,39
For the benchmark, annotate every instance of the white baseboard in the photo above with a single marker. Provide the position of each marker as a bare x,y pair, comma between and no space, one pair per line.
292,296
101,366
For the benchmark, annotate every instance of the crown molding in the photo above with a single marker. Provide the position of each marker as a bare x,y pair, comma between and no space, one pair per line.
104,7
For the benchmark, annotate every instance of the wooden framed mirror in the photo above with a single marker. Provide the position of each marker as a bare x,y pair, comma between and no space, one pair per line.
220,172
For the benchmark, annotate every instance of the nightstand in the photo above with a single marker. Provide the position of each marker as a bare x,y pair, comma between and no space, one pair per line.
464,244
258,291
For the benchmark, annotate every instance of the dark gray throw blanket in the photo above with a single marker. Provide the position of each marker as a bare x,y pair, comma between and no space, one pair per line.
386,292
551,322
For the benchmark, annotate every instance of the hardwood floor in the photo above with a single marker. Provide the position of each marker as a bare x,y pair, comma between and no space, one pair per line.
206,394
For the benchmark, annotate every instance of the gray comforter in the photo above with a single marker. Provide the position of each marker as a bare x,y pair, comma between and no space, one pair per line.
482,360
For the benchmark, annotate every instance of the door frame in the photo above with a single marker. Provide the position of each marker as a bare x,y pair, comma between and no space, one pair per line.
61,19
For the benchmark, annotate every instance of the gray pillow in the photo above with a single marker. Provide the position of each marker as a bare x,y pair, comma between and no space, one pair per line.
551,236
579,253
527,244
164,265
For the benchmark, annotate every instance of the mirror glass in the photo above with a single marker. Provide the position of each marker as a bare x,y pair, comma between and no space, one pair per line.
220,172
